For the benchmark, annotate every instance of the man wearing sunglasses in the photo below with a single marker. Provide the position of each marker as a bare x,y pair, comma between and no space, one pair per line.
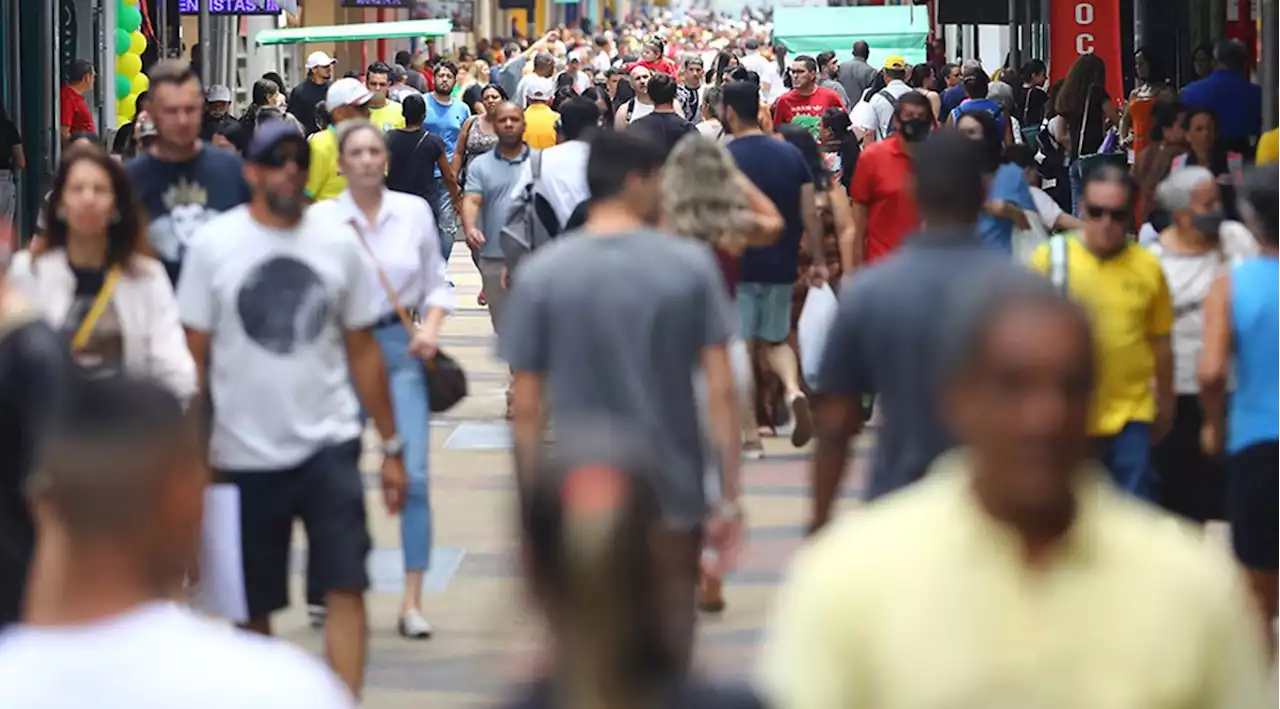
1123,287
278,308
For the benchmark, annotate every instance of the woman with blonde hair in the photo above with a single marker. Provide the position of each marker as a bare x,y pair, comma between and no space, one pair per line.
93,281
705,197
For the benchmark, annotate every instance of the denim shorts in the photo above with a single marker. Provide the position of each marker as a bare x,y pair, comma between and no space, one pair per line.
764,311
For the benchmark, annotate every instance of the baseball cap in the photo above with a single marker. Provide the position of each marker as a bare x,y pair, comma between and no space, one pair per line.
539,88
895,63
263,148
347,92
217,93
316,59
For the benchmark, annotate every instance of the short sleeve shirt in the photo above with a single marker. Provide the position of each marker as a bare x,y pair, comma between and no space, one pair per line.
882,183
323,179
493,177
805,111
1128,302
277,304
1008,185
389,117
75,112
779,171
414,157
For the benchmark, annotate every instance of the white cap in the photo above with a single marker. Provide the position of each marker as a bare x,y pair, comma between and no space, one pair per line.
539,88
217,93
316,59
347,92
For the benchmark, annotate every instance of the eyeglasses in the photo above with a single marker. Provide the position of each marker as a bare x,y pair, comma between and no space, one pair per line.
1093,211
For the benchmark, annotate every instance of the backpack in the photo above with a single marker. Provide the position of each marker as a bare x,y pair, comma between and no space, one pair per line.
893,110
523,231
993,110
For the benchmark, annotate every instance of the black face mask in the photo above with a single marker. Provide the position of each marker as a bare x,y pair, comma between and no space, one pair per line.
914,130
1208,223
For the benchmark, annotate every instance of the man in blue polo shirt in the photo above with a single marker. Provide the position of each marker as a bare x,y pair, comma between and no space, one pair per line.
1236,100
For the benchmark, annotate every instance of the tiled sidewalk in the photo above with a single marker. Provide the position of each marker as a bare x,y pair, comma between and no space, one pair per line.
486,639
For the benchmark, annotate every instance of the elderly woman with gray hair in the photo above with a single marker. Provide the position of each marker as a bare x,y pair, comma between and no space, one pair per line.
1196,246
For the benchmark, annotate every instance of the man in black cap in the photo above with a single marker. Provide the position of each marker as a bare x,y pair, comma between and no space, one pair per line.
278,309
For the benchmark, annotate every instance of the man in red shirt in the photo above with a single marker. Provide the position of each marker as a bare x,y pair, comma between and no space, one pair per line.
884,205
76,117
804,104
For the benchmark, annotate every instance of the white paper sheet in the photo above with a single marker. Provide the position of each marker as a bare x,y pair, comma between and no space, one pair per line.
220,589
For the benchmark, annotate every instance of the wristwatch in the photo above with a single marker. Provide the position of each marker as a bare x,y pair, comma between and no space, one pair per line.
393,447
730,510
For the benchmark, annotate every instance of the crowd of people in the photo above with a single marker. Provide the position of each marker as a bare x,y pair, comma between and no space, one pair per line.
1064,333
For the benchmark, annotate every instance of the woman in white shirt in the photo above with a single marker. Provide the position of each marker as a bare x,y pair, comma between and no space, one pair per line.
115,306
399,242
1193,250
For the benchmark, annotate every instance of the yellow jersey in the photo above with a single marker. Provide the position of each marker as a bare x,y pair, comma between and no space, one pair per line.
324,181
540,126
1128,303
1269,148
389,117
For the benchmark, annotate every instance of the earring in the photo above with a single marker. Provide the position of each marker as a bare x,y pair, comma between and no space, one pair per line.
61,214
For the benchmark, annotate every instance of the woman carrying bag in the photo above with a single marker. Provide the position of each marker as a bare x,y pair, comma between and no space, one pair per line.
397,235
89,277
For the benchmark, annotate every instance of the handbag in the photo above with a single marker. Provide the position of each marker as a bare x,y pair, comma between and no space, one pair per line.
445,378
1092,161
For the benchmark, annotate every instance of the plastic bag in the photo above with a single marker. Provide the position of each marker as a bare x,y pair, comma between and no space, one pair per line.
1026,241
811,331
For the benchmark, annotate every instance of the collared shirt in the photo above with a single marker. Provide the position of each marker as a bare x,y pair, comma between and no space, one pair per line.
884,108
925,601
882,183
324,181
1009,184
1128,302
494,178
405,245
1236,100
540,126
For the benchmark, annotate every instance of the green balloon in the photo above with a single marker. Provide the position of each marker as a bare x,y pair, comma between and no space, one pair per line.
123,86
129,19
123,41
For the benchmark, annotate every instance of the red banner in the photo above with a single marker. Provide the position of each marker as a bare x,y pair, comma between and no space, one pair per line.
1079,27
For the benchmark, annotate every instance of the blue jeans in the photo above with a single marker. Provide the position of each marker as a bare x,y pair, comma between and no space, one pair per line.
412,415
1077,186
446,219
1127,455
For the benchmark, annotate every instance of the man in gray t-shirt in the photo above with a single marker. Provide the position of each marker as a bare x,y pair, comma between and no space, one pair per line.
888,329
611,322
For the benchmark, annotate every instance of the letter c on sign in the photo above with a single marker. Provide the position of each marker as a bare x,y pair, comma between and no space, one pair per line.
1084,18
1084,43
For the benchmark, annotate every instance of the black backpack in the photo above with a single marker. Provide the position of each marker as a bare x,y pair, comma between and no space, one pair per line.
893,105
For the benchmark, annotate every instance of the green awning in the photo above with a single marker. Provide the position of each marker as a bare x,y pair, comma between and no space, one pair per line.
356,33
893,30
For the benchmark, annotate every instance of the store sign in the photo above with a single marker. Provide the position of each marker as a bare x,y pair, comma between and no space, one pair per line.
231,7
1079,27
375,3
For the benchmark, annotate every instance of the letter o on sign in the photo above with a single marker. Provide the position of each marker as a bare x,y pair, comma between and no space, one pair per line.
1084,13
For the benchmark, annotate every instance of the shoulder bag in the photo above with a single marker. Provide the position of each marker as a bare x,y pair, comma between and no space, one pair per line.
81,339
1089,163
446,381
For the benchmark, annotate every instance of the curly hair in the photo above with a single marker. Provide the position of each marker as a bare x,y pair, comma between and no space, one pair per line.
700,197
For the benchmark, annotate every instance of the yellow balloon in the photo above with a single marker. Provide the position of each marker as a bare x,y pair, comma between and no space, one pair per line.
137,43
127,107
131,2
140,83
129,64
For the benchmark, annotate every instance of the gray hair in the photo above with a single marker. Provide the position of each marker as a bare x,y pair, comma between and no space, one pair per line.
1174,192
989,297
1002,94
544,59
970,67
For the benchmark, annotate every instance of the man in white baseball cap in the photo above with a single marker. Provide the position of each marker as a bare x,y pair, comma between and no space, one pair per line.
304,97
346,99
217,110
539,120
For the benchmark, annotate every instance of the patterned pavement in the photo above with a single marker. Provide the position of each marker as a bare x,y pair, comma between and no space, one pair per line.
486,637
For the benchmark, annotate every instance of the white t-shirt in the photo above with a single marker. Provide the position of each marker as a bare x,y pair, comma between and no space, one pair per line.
883,108
771,86
277,304
160,656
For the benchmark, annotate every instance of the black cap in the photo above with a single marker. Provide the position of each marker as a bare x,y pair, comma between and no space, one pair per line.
268,136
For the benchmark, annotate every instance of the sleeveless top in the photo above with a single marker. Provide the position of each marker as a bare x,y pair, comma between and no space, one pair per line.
478,142
1253,414
638,110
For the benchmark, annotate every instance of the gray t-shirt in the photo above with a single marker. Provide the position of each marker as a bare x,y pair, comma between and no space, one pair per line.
617,325
493,177
885,341
277,304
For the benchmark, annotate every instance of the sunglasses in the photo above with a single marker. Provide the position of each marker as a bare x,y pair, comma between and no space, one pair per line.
282,155
1093,211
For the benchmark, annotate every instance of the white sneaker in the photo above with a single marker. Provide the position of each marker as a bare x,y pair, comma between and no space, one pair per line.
414,626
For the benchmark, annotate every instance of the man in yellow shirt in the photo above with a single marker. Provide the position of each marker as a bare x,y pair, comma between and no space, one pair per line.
383,112
345,100
1122,285
1014,575
539,120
